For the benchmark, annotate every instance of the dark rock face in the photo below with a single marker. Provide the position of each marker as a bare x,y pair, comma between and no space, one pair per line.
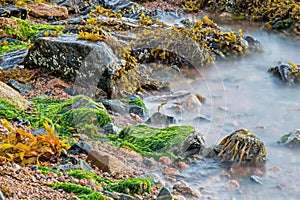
22,88
288,73
86,63
12,11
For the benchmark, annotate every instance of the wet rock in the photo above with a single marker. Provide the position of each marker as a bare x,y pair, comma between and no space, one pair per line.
1,196
80,147
12,11
291,139
156,141
83,165
75,20
256,179
22,88
170,171
13,97
123,106
12,59
241,148
73,6
91,65
125,7
186,190
193,144
164,194
110,128
164,160
39,131
158,118
41,10
289,73
106,162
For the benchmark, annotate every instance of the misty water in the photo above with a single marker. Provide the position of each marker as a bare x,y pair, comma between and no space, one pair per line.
242,94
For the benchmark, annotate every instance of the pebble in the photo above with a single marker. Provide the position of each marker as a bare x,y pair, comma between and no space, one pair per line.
182,165
171,171
164,160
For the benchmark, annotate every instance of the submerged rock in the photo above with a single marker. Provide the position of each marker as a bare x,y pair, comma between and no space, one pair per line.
171,141
289,73
241,148
158,118
12,97
291,139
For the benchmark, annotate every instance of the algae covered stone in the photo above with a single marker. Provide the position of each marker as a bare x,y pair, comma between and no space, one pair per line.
291,139
79,112
241,148
171,141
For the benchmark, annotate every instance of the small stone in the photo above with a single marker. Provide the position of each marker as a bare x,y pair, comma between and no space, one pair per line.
170,171
41,10
85,166
186,190
106,162
164,160
233,185
182,165
80,147
256,179
164,194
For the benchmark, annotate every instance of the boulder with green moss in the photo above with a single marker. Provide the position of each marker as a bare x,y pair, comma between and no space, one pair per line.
79,112
171,141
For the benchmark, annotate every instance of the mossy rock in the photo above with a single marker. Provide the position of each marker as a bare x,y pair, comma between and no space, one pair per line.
79,112
156,142
291,139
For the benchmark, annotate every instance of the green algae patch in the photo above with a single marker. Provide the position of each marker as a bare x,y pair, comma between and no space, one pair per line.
81,192
4,48
8,111
134,185
136,101
81,174
152,141
79,114
46,170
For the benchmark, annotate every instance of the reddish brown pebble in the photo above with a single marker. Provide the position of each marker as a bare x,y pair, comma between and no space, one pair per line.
164,160
182,165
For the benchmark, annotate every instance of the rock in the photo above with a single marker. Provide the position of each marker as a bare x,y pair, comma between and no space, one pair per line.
12,11
164,194
39,131
22,88
13,97
80,147
170,171
84,165
125,7
73,6
90,64
193,144
125,106
41,10
110,128
158,118
12,59
291,139
106,162
256,179
1,196
186,190
241,148
155,141
164,160
289,73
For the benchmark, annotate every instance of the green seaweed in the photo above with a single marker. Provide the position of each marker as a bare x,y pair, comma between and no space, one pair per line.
27,30
81,192
152,141
12,46
134,185
8,111
45,170
135,101
81,174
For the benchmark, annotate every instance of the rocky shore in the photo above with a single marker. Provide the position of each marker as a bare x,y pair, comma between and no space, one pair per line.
73,75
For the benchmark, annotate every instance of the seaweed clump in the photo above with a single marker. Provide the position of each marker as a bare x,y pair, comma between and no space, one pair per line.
154,142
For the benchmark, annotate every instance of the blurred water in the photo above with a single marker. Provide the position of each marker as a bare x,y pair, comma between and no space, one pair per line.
241,94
